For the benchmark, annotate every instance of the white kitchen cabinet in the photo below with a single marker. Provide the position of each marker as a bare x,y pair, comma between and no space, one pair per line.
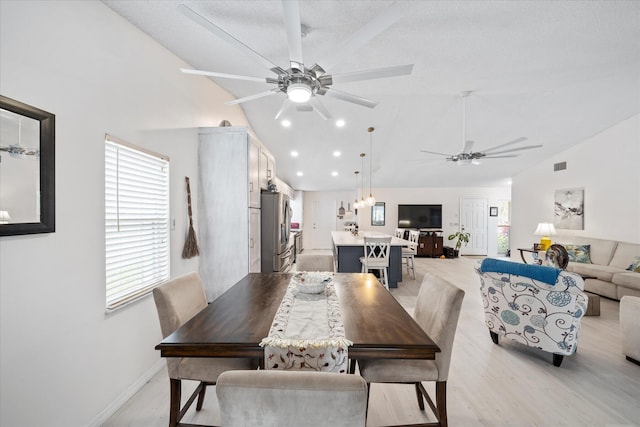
228,207
267,168
254,174
254,241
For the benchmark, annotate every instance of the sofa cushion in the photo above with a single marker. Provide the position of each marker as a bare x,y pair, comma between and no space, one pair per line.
624,255
602,272
627,279
601,251
578,253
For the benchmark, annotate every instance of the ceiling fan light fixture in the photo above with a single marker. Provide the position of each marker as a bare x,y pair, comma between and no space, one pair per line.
299,93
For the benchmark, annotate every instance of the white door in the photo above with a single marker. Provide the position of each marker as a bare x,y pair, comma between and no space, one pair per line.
324,222
473,219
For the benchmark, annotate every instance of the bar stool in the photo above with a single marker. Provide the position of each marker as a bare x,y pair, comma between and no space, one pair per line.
376,257
409,253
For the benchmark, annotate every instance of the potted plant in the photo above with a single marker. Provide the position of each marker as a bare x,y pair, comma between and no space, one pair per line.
463,237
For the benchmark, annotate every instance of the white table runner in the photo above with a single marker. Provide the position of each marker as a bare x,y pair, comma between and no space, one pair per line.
307,333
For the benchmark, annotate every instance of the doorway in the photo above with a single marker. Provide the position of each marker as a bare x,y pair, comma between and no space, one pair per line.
473,219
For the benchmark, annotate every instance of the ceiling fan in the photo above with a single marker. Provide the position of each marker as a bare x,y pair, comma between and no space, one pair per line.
304,84
18,150
467,156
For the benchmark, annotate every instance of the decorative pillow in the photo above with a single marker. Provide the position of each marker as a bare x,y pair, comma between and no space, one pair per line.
578,253
635,265
557,257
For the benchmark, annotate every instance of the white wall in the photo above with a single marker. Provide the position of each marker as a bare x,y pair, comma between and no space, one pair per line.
63,362
449,198
606,166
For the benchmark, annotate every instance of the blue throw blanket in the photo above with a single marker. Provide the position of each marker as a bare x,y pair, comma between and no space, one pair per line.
536,272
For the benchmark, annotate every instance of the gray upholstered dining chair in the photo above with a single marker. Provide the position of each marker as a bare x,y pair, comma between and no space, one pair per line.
177,301
437,311
277,398
314,262
376,257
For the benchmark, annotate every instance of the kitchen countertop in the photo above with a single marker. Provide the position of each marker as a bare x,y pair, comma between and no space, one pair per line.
346,238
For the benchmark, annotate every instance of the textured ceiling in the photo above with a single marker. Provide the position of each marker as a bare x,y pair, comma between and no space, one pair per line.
556,72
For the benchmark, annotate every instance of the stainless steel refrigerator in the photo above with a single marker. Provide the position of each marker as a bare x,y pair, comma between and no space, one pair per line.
277,253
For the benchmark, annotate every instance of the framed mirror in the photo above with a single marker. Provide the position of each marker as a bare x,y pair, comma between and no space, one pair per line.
27,169
377,214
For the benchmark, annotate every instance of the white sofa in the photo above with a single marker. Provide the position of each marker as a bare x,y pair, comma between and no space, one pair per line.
607,273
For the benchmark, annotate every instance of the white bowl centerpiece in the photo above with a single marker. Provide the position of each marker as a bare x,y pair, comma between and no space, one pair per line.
309,282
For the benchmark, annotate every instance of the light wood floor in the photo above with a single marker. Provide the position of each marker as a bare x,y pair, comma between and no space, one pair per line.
489,385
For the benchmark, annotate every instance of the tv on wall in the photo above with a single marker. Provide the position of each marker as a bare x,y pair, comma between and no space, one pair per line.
420,216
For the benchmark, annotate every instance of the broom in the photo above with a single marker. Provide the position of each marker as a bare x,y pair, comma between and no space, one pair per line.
191,245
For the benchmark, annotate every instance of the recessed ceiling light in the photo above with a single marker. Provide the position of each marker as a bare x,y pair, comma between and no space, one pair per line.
340,123
286,123
337,153
294,153
334,173
299,173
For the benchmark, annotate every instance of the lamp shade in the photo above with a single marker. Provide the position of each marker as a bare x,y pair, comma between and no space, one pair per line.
545,229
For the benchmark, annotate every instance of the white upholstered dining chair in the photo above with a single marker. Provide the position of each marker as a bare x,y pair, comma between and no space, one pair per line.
177,301
409,253
290,398
376,257
437,311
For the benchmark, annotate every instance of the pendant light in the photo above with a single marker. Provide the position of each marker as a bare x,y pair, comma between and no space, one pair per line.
370,200
362,202
356,203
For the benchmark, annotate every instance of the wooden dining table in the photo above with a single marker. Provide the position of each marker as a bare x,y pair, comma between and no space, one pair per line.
234,324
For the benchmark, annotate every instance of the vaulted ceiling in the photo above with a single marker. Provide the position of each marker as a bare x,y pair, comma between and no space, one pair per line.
556,72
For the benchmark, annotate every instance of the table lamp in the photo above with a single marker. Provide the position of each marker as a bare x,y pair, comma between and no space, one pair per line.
4,217
545,229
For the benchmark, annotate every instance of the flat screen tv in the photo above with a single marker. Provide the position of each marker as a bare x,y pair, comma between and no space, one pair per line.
420,216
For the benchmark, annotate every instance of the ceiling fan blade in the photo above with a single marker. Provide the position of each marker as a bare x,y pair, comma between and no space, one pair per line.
376,73
499,157
528,147
254,96
361,37
495,147
351,98
223,75
291,12
468,145
222,34
434,152
283,107
320,109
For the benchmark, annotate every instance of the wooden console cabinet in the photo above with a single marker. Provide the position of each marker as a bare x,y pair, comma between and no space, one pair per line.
430,246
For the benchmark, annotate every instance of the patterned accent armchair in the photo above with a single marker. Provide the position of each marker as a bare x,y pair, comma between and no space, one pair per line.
538,306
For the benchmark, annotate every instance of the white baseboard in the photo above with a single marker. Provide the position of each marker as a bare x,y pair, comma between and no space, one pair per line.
127,394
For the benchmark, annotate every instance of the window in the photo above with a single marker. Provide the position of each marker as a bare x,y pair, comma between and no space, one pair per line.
504,227
136,196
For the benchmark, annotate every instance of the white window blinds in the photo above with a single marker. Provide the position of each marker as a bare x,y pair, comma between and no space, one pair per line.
136,221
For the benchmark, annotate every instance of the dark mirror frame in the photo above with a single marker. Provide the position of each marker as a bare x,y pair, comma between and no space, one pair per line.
47,121
378,206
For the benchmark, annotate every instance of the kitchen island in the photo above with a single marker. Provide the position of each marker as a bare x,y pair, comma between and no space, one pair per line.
347,250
